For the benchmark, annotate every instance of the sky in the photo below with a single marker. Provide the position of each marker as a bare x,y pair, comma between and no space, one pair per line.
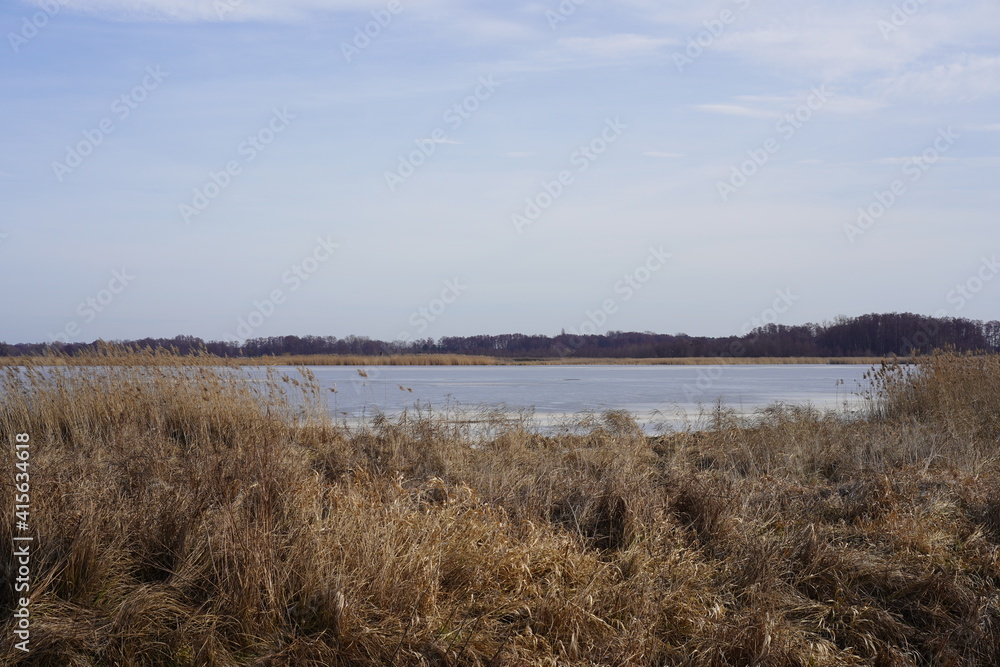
230,169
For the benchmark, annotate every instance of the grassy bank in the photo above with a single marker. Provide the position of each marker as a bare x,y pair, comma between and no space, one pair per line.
186,517
113,357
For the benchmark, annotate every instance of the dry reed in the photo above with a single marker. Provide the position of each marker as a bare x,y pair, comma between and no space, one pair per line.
185,516
111,355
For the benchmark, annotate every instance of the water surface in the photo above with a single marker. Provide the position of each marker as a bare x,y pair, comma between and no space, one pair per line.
654,394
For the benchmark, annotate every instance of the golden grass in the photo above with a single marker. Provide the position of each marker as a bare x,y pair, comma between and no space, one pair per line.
184,516
958,391
110,355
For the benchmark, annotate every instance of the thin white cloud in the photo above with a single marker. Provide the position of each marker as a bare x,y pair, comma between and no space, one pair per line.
830,51
986,161
614,46
852,105
189,11
587,52
488,27
773,100
736,110
663,155
906,159
835,102
842,41
968,78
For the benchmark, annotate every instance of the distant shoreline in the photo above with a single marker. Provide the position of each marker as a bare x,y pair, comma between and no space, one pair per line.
153,359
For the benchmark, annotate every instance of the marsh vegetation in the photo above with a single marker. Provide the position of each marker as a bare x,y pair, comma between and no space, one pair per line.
184,516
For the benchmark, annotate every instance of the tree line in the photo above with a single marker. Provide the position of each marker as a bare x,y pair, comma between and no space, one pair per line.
901,334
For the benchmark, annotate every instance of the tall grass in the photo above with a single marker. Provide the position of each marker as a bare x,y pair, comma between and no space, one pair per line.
958,391
189,517
111,355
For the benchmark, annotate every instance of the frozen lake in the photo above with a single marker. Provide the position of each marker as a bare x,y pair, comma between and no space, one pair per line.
654,394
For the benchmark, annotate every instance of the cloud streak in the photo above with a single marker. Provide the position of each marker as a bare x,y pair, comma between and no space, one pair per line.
192,11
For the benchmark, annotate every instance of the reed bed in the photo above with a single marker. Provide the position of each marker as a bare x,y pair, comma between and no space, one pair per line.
184,516
111,355
114,355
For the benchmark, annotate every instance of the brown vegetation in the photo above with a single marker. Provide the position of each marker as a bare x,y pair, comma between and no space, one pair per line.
184,516
115,356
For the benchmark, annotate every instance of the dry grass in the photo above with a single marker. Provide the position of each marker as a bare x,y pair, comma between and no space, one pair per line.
110,355
113,355
960,392
186,517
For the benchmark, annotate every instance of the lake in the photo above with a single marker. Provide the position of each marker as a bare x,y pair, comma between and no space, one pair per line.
655,395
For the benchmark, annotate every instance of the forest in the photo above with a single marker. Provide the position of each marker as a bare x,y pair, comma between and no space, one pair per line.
872,335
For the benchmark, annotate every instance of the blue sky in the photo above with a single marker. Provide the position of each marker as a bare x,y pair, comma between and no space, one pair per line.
229,169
